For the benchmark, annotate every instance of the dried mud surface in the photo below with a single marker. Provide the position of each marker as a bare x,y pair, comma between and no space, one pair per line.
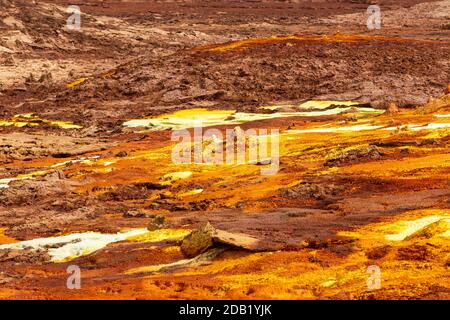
353,189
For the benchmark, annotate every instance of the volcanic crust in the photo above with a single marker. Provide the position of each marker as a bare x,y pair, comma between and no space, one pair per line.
86,170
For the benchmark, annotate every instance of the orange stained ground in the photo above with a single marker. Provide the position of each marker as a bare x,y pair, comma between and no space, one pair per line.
326,38
309,273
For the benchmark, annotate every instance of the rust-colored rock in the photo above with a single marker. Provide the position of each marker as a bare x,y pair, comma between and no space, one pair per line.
198,241
392,109
207,236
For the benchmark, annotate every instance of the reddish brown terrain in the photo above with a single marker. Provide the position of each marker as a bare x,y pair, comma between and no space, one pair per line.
87,176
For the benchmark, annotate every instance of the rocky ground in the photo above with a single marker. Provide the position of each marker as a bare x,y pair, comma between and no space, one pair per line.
87,177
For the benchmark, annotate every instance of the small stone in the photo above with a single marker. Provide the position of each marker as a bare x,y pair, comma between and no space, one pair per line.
354,155
392,108
206,237
165,195
159,219
378,252
122,154
152,227
198,241
404,151
447,90
134,214
157,223
154,205
414,252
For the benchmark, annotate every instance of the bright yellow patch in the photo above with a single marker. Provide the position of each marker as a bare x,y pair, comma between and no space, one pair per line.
407,228
5,239
19,124
77,82
31,175
201,117
160,235
33,120
322,104
183,119
175,176
64,124
190,193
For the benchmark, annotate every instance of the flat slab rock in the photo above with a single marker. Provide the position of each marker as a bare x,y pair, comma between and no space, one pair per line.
206,237
19,146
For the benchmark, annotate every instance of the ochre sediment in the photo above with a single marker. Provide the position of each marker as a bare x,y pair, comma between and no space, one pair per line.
87,175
